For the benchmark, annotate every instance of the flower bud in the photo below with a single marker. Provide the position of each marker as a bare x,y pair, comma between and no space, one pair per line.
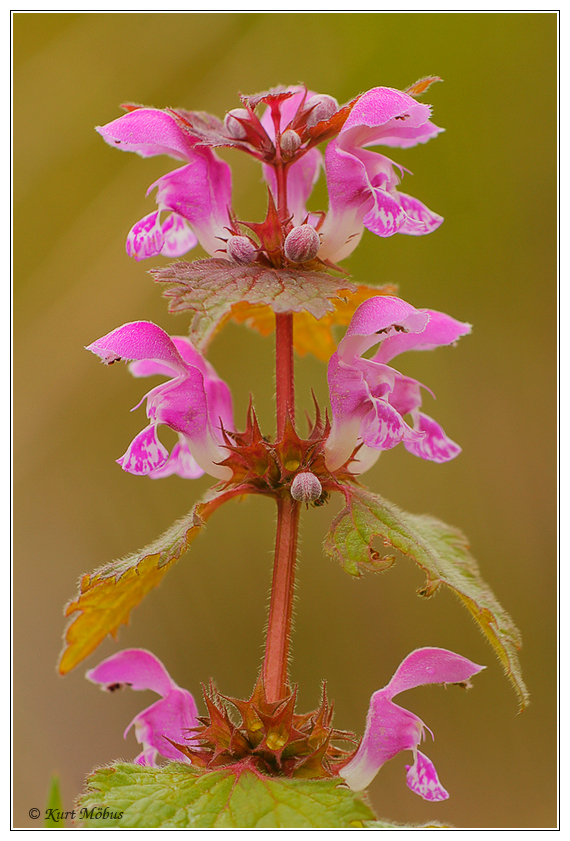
241,250
306,487
302,244
290,142
323,107
233,126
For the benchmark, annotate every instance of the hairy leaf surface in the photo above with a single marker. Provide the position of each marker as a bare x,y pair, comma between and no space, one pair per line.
209,288
176,796
441,551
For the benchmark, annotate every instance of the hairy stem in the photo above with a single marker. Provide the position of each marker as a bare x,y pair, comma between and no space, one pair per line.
275,664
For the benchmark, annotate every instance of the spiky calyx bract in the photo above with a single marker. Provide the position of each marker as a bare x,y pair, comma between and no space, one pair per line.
270,738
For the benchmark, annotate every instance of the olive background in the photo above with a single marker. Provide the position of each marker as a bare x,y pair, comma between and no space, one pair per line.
493,176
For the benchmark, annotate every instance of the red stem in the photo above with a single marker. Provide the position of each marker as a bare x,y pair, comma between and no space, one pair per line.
276,661
275,664
284,380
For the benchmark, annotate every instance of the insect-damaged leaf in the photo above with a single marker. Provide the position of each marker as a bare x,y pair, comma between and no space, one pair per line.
107,596
177,796
210,288
441,551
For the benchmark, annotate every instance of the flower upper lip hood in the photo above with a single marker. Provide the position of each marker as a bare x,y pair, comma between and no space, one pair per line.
362,185
198,193
391,729
169,718
369,399
196,403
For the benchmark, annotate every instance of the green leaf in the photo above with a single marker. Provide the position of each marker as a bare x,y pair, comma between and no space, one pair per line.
210,288
54,808
107,596
441,551
178,796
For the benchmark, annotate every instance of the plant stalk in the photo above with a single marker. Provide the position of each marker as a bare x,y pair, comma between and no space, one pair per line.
276,662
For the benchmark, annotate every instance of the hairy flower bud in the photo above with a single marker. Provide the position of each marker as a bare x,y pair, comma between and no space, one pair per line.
306,487
323,107
302,244
290,142
233,126
241,250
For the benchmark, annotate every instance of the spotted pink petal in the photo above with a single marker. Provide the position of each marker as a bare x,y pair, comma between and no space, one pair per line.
144,454
419,219
145,239
362,185
431,443
178,236
182,404
423,780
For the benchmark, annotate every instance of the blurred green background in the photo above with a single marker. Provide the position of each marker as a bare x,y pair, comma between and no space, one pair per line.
493,177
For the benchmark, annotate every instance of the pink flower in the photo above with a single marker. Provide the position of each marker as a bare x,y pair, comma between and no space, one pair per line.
369,399
391,729
195,403
169,718
197,194
362,185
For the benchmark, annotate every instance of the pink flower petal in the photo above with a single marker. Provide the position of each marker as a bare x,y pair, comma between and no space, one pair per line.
138,340
144,454
434,444
423,780
388,116
419,219
391,729
169,718
180,462
135,667
375,320
148,131
440,330
430,665
383,428
178,236
145,238
200,192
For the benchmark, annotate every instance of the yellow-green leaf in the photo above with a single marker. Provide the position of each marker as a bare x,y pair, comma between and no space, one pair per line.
107,596
441,551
